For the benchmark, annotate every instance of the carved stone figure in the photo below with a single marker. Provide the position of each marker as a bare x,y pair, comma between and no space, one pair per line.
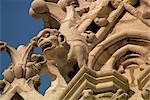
48,12
90,36
88,47
54,47
120,95
105,96
53,44
88,95
142,12
77,43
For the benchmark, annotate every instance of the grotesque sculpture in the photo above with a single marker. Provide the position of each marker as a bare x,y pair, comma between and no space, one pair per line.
105,96
77,43
120,95
86,35
88,95
142,12
54,46
67,43
55,49
48,12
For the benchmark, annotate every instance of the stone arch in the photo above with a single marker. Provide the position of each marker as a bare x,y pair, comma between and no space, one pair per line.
111,40
137,61
121,52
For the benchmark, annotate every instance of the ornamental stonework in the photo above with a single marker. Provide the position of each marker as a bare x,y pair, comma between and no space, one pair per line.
91,49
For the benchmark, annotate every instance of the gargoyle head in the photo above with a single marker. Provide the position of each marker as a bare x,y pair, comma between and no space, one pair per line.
120,95
87,95
50,40
90,36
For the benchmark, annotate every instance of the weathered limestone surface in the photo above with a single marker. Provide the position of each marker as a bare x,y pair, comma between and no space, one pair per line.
91,50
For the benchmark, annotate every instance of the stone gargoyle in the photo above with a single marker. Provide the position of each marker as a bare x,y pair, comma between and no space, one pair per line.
66,46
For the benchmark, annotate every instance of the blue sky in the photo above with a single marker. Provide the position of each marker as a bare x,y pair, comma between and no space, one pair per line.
16,28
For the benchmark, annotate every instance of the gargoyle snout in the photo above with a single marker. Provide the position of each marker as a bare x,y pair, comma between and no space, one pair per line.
54,40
